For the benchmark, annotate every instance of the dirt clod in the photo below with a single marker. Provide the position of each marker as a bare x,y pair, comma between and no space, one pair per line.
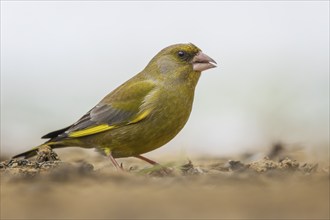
190,169
45,153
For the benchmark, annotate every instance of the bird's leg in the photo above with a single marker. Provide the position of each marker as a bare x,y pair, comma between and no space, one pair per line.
163,170
108,153
115,163
147,160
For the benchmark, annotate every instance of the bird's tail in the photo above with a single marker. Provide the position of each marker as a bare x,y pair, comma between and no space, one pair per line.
33,151
27,154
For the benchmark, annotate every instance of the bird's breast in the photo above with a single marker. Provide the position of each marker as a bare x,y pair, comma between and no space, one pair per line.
173,110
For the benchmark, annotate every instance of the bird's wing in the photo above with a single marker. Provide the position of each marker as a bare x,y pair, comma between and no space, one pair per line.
125,105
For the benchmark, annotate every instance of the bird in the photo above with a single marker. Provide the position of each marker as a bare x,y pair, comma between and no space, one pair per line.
142,114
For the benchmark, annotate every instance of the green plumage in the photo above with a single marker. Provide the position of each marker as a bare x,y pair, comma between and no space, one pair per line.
145,112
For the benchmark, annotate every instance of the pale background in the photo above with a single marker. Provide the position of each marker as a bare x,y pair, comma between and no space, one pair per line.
58,59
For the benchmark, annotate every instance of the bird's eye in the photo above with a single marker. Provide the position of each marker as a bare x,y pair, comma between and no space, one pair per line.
181,53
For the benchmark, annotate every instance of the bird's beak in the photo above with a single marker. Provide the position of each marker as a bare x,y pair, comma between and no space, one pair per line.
202,62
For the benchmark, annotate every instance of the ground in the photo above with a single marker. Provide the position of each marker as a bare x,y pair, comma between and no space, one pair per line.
80,186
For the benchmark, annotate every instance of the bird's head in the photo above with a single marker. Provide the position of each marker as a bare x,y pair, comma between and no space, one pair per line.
180,61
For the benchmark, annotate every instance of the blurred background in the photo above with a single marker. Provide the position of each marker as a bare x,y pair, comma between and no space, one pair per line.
58,59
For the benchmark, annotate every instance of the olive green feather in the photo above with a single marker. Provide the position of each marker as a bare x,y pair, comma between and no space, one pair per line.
143,113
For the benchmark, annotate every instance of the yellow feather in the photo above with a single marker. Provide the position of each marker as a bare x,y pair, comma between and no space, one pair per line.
92,130
107,151
140,116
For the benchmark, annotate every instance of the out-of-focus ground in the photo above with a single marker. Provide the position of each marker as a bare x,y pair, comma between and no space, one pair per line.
76,185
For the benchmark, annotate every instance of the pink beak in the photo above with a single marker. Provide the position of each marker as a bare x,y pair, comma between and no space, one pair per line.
202,62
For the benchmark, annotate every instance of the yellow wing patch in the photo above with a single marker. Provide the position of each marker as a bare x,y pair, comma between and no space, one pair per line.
106,127
140,116
92,130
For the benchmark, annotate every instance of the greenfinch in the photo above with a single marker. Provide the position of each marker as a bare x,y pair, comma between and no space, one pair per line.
142,114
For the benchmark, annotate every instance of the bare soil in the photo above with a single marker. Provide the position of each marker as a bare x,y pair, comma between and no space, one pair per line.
272,187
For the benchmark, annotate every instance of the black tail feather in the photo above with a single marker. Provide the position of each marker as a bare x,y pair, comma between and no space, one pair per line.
34,151
54,134
27,154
